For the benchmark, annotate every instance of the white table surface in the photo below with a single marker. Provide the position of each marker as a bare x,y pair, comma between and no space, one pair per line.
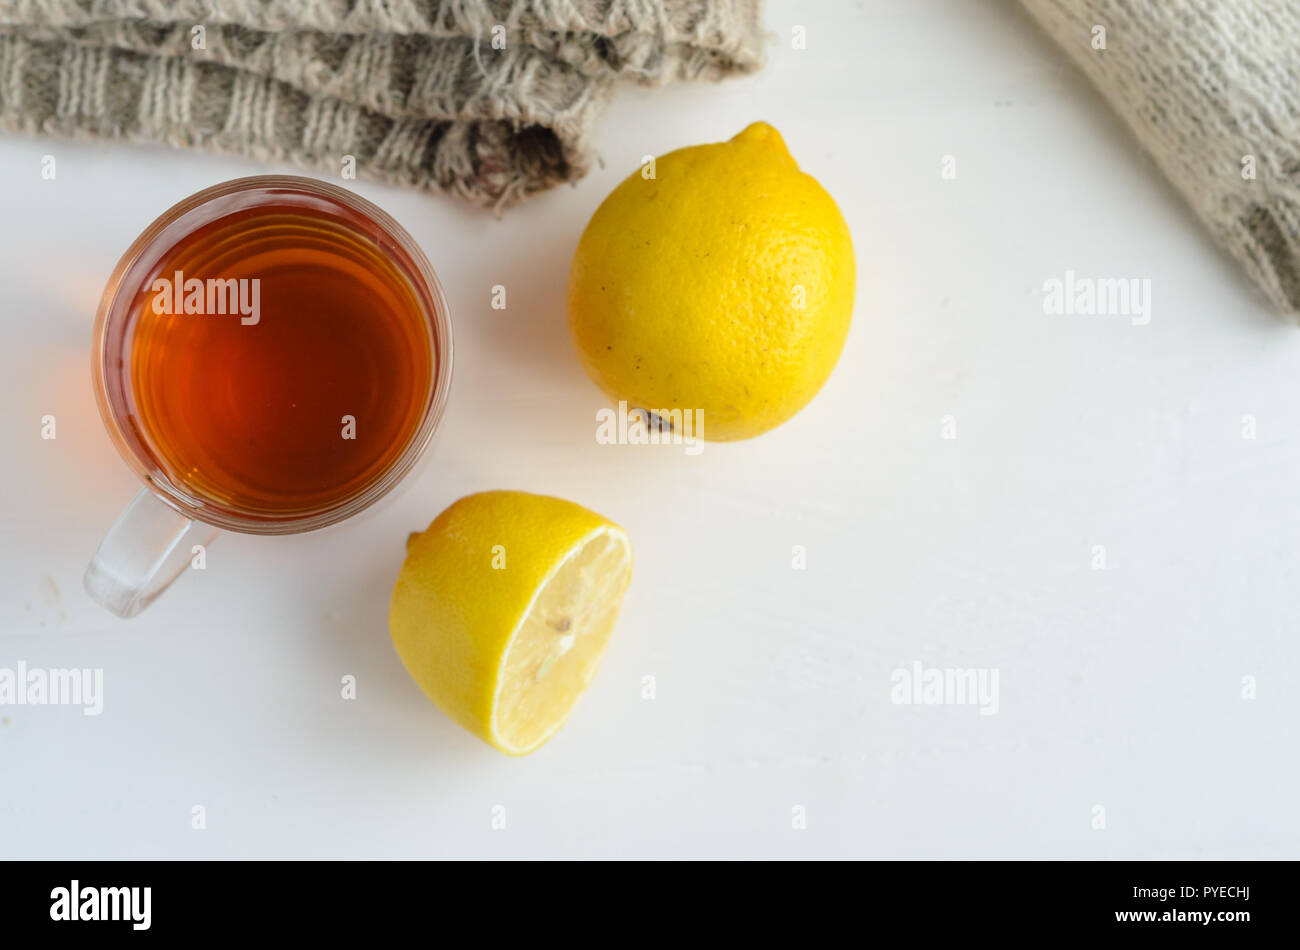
1120,688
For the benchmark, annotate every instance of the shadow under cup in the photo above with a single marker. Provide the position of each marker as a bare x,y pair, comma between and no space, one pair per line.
272,355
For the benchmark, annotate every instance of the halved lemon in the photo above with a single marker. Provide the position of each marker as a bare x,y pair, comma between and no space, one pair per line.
503,609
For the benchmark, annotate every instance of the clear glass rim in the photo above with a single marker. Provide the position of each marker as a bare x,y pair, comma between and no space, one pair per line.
230,519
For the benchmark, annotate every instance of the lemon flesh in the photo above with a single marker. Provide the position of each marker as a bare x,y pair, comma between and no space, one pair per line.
556,650
503,609
722,284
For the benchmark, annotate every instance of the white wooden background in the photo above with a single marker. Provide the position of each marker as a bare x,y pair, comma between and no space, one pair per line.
1119,688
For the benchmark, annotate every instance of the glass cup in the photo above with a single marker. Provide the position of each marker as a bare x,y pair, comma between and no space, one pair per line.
154,539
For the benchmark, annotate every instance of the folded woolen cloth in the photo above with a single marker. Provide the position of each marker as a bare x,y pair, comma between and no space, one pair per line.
1212,90
490,100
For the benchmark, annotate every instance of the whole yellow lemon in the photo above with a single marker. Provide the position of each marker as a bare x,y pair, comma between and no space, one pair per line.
717,279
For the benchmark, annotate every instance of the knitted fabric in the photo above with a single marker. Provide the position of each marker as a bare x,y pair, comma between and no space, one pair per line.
1212,90
491,100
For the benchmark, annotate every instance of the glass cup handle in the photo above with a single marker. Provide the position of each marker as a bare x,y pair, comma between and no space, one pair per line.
142,554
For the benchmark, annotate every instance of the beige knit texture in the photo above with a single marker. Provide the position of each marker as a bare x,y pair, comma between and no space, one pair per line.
490,100
1209,87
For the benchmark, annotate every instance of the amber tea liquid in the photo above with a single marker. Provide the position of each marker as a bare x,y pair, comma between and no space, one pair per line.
278,357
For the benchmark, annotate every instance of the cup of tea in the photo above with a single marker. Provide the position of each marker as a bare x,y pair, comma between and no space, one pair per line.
271,356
